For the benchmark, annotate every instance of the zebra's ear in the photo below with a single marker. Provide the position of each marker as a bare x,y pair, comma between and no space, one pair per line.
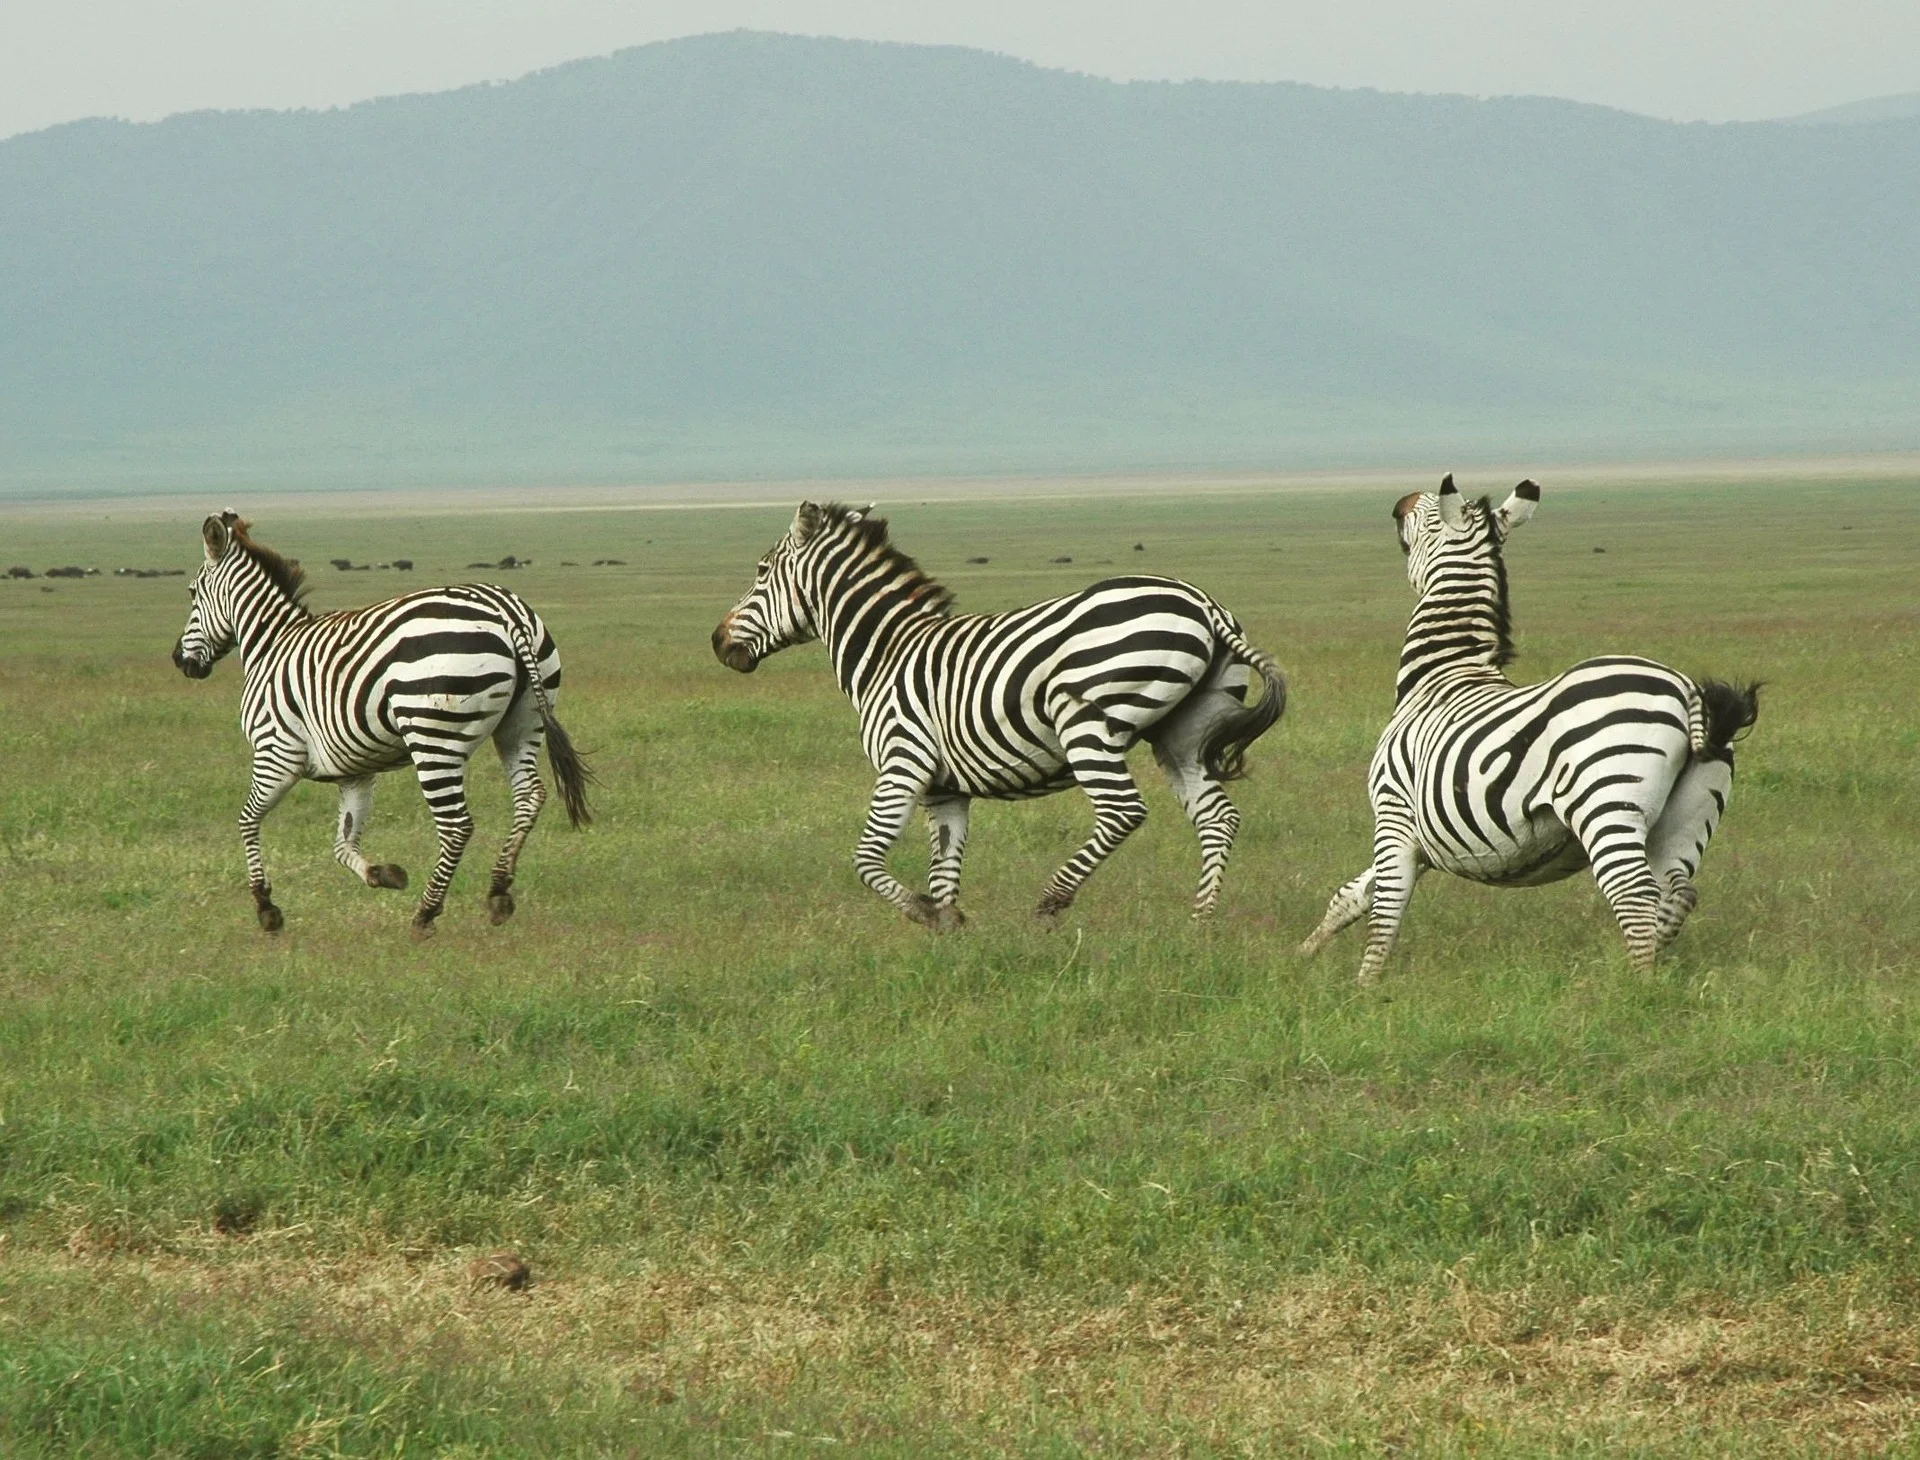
1518,507
1453,511
807,521
218,537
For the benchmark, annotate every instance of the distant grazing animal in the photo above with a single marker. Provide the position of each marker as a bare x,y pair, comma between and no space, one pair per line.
1010,705
1619,764
420,679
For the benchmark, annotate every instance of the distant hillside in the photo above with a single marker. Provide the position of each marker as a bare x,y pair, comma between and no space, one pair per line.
751,254
1895,108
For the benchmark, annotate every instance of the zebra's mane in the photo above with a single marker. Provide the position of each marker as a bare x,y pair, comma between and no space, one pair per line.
1504,653
871,533
286,574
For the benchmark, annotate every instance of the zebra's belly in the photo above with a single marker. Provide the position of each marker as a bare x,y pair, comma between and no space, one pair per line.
1006,782
1540,850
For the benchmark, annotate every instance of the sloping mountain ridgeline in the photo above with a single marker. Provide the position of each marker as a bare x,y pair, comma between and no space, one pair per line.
750,254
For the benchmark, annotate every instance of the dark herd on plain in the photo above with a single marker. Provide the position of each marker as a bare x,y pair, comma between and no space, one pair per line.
1620,765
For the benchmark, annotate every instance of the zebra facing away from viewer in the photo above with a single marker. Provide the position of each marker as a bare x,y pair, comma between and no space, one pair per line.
1619,764
421,680
1010,705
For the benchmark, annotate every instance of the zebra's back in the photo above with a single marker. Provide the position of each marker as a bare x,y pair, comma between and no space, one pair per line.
990,687
1494,772
441,662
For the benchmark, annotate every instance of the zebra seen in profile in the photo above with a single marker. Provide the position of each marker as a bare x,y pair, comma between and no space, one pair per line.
1010,705
1620,764
420,679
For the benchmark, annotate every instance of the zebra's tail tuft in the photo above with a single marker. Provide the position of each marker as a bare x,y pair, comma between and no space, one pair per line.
570,768
1224,754
1731,710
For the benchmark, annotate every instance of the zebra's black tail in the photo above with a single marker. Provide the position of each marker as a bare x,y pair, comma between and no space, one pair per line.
1731,710
1224,753
569,769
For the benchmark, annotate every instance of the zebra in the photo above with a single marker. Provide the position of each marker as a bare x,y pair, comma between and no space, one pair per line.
340,697
1620,764
1010,705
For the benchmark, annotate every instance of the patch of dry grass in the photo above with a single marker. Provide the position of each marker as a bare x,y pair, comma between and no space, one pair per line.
1824,1367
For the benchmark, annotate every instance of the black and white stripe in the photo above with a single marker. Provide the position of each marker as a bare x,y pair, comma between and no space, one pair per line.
1011,705
421,679
1620,764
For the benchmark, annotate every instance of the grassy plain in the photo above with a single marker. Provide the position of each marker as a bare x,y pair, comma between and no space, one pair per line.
795,1176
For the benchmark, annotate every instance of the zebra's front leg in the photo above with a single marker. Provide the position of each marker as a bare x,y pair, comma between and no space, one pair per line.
443,780
1397,865
273,777
947,838
356,805
894,797
1097,756
1348,906
520,756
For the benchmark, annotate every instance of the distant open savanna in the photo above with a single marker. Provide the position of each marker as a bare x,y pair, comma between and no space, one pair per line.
793,1175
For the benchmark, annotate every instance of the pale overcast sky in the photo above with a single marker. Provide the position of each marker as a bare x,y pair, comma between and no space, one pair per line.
1712,60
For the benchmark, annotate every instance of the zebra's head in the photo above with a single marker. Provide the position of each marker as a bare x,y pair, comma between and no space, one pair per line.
237,574
778,611
1443,527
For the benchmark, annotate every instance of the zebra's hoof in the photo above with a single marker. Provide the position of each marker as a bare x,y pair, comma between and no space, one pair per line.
1050,915
948,919
499,907
923,910
272,920
422,927
387,874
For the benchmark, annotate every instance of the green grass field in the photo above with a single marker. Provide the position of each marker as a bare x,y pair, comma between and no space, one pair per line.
795,1176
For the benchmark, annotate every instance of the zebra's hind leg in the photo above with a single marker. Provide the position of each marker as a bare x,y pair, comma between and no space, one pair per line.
356,804
273,777
1348,906
517,741
1214,817
442,769
1615,837
1679,840
1096,753
947,836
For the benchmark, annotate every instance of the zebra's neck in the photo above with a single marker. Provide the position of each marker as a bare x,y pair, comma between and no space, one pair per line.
261,614
863,606
1459,629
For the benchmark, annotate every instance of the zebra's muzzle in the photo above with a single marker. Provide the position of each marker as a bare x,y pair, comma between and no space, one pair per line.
730,652
192,668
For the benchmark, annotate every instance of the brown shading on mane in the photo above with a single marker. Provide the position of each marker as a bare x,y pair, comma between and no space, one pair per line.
286,574
871,533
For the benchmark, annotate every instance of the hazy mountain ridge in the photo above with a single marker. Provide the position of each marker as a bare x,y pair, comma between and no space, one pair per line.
750,253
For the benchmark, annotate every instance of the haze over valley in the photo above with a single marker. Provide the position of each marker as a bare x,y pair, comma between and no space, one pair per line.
756,255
